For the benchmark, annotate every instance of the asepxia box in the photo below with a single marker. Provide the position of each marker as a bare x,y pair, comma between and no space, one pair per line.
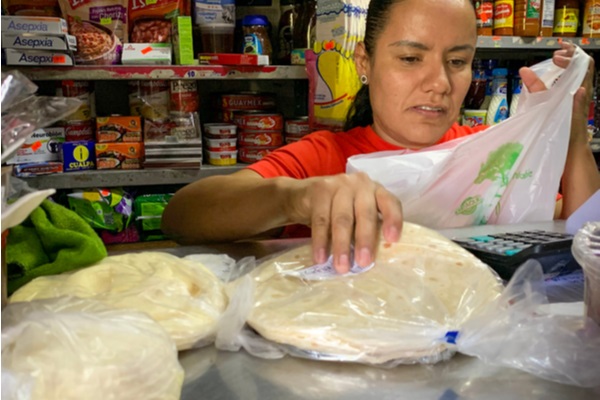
36,57
30,24
33,41
78,156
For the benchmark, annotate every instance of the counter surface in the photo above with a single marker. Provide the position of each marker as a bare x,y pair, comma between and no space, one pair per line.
213,374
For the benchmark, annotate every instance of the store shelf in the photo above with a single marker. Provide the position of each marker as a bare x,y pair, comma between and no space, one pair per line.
115,178
125,72
533,43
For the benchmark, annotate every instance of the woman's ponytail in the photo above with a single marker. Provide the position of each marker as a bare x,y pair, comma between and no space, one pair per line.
360,113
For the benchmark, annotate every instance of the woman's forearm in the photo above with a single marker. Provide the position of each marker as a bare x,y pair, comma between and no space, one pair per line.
225,208
581,178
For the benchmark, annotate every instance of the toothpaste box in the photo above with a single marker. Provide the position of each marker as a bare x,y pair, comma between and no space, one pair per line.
78,156
35,169
31,24
36,57
146,54
38,42
43,145
119,155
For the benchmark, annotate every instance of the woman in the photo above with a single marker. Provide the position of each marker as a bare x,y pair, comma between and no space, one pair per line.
415,65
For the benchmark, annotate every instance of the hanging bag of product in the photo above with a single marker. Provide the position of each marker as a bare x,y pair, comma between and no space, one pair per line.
508,173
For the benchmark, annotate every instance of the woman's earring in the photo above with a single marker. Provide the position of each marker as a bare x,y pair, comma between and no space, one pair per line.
364,80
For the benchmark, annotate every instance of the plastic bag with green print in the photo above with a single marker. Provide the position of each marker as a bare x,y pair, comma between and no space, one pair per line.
507,174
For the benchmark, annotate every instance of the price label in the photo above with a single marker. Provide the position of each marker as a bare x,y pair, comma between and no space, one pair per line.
36,146
150,2
106,21
59,59
190,74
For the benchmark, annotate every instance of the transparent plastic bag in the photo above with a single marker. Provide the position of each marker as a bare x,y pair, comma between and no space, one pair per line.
508,173
69,348
183,296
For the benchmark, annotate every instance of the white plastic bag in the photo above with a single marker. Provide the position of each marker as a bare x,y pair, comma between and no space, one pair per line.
508,173
70,348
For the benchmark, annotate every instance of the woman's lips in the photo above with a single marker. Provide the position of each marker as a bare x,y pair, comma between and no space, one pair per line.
431,111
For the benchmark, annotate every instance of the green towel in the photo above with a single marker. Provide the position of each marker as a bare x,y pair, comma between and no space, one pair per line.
53,239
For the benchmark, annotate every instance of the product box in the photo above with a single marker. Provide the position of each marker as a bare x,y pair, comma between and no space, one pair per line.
35,169
43,145
37,58
119,155
232,59
78,156
118,129
181,37
34,41
146,54
31,24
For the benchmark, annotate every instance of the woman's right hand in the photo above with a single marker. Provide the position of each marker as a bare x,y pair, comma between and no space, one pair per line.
341,208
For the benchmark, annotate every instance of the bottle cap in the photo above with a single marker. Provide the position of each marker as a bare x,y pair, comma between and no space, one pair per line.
250,20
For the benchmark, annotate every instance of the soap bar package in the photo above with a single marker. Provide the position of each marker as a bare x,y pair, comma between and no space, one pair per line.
78,156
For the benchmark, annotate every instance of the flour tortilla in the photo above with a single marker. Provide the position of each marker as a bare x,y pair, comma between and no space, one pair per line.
183,296
396,312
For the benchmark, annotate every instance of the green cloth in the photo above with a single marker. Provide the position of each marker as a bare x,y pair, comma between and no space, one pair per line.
52,240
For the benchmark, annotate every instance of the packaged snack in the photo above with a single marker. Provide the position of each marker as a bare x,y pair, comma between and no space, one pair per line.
118,129
119,155
38,8
151,20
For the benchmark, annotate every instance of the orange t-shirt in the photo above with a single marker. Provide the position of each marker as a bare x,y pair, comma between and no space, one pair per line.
325,153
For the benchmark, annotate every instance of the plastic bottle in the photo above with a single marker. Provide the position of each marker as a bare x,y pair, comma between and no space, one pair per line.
527,17
498,109
591,19
286,29
566,18
516,94
504,17
485,17
256,35
488,66
476,94
547,18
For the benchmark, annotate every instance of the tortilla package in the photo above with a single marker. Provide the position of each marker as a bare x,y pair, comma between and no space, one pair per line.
183,296
397,312
100,27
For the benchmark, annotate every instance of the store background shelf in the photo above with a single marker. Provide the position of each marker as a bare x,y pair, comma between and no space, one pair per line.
123,72
117,178
533,43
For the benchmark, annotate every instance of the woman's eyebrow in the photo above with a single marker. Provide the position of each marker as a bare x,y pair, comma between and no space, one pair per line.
421,46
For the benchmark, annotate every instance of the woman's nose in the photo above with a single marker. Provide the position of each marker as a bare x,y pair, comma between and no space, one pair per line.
436,79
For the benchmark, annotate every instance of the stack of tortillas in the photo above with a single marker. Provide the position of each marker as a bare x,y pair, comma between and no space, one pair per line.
183,296
398,311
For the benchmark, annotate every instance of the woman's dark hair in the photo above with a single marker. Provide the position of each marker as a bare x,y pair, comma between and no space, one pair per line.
360,112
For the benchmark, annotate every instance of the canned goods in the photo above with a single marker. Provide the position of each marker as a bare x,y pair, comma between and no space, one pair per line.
249,155
82,90
292,139
184,96
247,101
260,138
79,130
150,99
297,126
258,121
222,157
227,144
220,130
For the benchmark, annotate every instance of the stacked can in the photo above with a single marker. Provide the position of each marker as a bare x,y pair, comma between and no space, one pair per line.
220,143
259,134
229,104
296,129
80,124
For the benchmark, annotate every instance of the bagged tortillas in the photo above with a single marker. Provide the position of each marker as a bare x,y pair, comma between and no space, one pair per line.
399,311
183,296
72,349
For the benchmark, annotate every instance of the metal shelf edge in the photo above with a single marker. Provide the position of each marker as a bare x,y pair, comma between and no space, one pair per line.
533,43
116,178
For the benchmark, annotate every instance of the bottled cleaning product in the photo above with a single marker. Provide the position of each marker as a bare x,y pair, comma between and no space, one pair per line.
516,93
498,108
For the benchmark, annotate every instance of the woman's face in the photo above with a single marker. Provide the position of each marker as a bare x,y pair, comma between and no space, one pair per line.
420,70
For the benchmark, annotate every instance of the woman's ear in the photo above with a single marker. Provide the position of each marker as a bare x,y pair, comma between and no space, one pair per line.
361,59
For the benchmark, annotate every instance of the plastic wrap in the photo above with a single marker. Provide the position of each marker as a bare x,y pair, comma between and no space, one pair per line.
184,297
586,250
397,312
71,348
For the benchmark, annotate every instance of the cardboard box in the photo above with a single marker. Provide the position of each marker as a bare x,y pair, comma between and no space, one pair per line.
43,145
182,39
31,24
232,59
146,54
78,156
37,58
118,129
35,169
119,155
34,41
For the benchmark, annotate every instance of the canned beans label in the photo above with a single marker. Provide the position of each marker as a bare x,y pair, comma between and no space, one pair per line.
79,130
263,122
261,139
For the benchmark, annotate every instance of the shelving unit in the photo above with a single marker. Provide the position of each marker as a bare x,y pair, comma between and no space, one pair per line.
164,72
533,43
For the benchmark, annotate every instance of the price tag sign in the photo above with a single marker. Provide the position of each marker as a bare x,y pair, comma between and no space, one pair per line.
150,2
106,21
